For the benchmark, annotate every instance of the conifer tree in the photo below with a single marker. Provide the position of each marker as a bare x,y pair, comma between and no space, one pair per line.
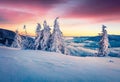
17,43
37,44
46,36
56,40
104,43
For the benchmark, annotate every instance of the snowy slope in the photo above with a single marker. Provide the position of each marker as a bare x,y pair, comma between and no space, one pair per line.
39,66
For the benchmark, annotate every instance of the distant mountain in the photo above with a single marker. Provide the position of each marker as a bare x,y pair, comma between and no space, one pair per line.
114,40
88,45
6,35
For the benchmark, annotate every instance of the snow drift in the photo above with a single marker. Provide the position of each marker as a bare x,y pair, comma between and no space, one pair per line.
40,66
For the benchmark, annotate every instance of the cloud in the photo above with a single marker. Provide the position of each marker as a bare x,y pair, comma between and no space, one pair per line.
3,20
18,11
95,9
39,3
14,16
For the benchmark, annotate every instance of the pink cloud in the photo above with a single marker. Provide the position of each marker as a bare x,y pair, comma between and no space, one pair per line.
17,11
95,10
24,10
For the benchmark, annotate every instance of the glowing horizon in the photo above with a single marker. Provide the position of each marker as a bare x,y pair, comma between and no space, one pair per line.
77,17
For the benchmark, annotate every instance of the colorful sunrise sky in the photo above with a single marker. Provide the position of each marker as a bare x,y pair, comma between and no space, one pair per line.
77,17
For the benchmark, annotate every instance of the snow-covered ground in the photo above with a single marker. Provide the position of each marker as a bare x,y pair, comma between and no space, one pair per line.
40,66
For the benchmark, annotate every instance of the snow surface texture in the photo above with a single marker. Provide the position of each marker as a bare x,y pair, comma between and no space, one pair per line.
40,66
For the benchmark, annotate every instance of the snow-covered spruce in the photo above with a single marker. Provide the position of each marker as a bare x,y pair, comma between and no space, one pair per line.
27,42
103,44
38,37
17,43
56,41
24,39
45,37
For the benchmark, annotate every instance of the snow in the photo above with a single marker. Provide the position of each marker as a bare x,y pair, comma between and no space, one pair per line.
45,38
48,41
38,37
17,43
104,43
56,40
40,66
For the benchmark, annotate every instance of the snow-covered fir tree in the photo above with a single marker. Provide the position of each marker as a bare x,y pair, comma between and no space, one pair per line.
17,43
104,43
44,40
25,39
38,29
45,36
56,40
37,44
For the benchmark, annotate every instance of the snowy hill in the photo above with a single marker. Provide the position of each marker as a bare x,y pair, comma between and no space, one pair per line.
39,66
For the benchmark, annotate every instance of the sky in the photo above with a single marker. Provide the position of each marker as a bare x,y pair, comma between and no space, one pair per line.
76,17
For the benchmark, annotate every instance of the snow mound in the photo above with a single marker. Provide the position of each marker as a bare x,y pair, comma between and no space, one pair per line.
39,66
